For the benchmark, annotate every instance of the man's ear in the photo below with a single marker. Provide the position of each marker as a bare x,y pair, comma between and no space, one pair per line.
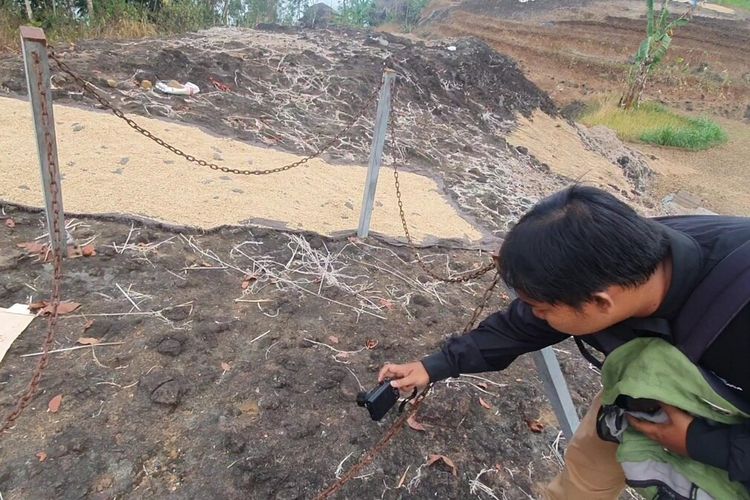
603,301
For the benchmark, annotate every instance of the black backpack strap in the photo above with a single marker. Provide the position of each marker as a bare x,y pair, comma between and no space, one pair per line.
714,303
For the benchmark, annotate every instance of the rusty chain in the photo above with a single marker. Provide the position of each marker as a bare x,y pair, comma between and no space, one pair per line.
33,387
104,102
477,273
398,425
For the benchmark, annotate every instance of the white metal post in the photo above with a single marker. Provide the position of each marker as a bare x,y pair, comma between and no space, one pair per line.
376,152
557,390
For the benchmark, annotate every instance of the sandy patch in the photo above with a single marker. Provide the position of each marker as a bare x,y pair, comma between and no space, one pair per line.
108,168
555,142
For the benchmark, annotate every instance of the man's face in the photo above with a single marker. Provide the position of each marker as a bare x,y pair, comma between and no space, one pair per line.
591,317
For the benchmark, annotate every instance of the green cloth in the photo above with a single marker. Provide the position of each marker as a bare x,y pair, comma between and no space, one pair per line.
654,369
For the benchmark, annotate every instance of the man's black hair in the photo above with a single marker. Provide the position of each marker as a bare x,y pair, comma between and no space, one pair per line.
577,242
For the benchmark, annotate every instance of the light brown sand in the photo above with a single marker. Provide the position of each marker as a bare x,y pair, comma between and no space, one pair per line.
108,168
554,142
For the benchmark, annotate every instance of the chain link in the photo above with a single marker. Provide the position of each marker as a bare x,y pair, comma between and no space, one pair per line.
477,273
398,425
36,378
94,92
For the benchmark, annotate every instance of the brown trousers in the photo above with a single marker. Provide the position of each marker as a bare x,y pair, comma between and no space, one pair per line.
591,469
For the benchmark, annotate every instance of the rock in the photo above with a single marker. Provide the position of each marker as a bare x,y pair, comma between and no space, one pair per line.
177,313
99,328
421,300
302,428
163,387
522,149
112,83
605,142
169,393
170,347
234,443
9,260
146,85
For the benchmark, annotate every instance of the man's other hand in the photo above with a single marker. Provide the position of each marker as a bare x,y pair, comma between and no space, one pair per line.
672,435
405,377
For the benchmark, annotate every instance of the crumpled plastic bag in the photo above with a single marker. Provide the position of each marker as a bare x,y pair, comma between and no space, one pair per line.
176,88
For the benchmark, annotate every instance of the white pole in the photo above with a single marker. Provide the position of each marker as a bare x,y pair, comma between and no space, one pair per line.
376,152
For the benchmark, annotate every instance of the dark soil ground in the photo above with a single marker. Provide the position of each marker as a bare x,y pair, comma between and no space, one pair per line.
212,397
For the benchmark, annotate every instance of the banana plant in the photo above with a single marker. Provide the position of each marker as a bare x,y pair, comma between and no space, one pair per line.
659,31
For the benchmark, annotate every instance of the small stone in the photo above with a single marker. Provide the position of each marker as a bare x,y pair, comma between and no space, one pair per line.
99,328
162,387
250,408
104,483
124,160
421,300
522,149
169,393
170,347
77,127
234,443
176,313
146,85
112,83
623,161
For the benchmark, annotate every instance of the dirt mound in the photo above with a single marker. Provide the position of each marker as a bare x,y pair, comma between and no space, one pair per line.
243,349
294,89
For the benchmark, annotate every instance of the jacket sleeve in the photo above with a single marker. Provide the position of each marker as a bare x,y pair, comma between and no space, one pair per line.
726,447
493,345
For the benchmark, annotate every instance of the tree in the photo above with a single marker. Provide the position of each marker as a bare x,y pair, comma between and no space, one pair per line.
659,32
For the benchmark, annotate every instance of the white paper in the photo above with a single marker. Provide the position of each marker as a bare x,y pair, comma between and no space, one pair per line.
13,321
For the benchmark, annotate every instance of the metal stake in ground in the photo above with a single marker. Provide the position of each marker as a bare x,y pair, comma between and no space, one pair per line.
557,390
376,152
37,78
40,95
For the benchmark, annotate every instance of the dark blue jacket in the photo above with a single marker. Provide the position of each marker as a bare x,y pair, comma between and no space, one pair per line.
697,244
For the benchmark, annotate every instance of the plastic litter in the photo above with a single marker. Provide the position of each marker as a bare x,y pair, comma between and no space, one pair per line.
176,88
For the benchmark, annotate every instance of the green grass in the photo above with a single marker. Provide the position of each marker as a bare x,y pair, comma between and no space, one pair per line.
740,4
655,124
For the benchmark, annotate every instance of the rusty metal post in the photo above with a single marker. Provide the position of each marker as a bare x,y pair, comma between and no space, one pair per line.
376,152
40,96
